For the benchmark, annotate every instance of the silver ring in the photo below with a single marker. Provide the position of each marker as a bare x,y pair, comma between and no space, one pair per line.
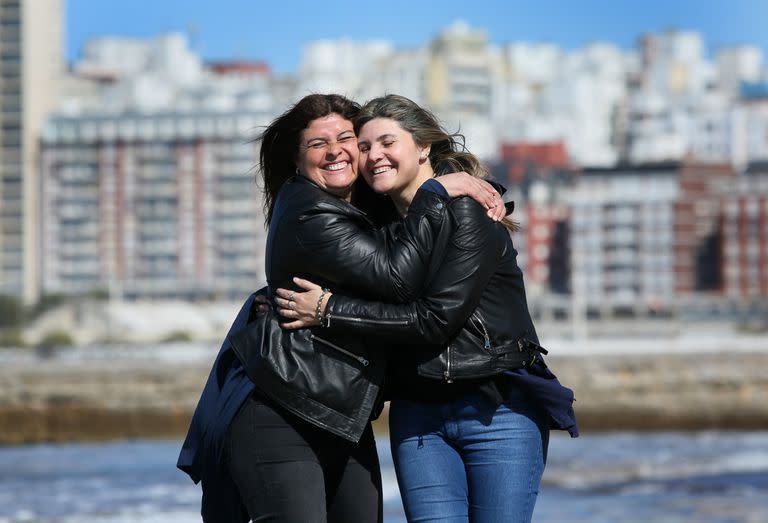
291,295
291,304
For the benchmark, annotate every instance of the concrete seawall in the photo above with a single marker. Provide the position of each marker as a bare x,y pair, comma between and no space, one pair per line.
143,393
671,391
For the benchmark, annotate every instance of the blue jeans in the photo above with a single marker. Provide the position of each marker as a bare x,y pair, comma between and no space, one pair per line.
469,460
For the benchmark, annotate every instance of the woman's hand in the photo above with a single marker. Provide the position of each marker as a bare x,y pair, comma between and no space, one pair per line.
301,307
464,184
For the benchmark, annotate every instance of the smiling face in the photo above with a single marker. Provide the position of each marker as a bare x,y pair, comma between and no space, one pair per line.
328,154
390,159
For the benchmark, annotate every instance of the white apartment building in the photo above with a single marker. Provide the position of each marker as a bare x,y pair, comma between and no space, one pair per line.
736,65
588,91
159,75
524,71
31,51
665,102
362,70
344,67
663,128
147,161
656,132
459,73
674,82
452,75
622,238
547,95
673,62
684,105
120,58
751,123
403,73
711,132
149,182
161,205
459,85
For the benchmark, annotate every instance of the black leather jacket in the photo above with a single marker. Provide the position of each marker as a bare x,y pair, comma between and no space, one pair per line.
472,320
333,378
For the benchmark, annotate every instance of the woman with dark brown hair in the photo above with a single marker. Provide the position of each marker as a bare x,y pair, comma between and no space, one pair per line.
282,431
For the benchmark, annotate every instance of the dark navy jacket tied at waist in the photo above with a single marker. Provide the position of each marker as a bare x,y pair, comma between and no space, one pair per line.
225,392
539,384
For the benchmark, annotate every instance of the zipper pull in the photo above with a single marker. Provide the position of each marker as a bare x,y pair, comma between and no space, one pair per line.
364,361
447,376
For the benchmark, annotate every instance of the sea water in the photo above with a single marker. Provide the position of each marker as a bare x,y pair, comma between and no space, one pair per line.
717,477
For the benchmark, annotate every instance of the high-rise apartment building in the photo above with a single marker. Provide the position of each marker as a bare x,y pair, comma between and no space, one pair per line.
751,125
623,237
738,65
152,206
148,178
743,231
459,73
30,65
673,62
343,66
701,186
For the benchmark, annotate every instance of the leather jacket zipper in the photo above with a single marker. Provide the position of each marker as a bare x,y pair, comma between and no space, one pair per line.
352,355
486,336
447,372
476,320
365,320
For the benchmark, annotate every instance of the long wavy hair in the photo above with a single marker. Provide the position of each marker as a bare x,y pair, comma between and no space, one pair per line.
448,152
280,140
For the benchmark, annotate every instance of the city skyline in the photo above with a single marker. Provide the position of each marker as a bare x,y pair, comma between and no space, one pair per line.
236,32
144,182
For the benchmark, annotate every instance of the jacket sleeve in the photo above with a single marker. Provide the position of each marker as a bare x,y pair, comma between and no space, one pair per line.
451,296
391,262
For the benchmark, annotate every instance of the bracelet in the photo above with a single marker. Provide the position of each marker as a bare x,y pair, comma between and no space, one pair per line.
318,314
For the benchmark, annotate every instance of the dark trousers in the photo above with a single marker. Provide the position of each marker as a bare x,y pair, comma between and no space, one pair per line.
289,470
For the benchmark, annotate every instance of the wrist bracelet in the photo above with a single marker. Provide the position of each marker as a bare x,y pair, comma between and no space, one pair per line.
318,314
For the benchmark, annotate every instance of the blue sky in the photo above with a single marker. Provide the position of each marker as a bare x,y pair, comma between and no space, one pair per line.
275,30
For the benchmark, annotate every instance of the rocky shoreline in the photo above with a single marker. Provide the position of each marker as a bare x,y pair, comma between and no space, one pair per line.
152,395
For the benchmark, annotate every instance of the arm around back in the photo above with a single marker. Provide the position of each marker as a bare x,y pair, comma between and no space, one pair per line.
452,294
320,237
